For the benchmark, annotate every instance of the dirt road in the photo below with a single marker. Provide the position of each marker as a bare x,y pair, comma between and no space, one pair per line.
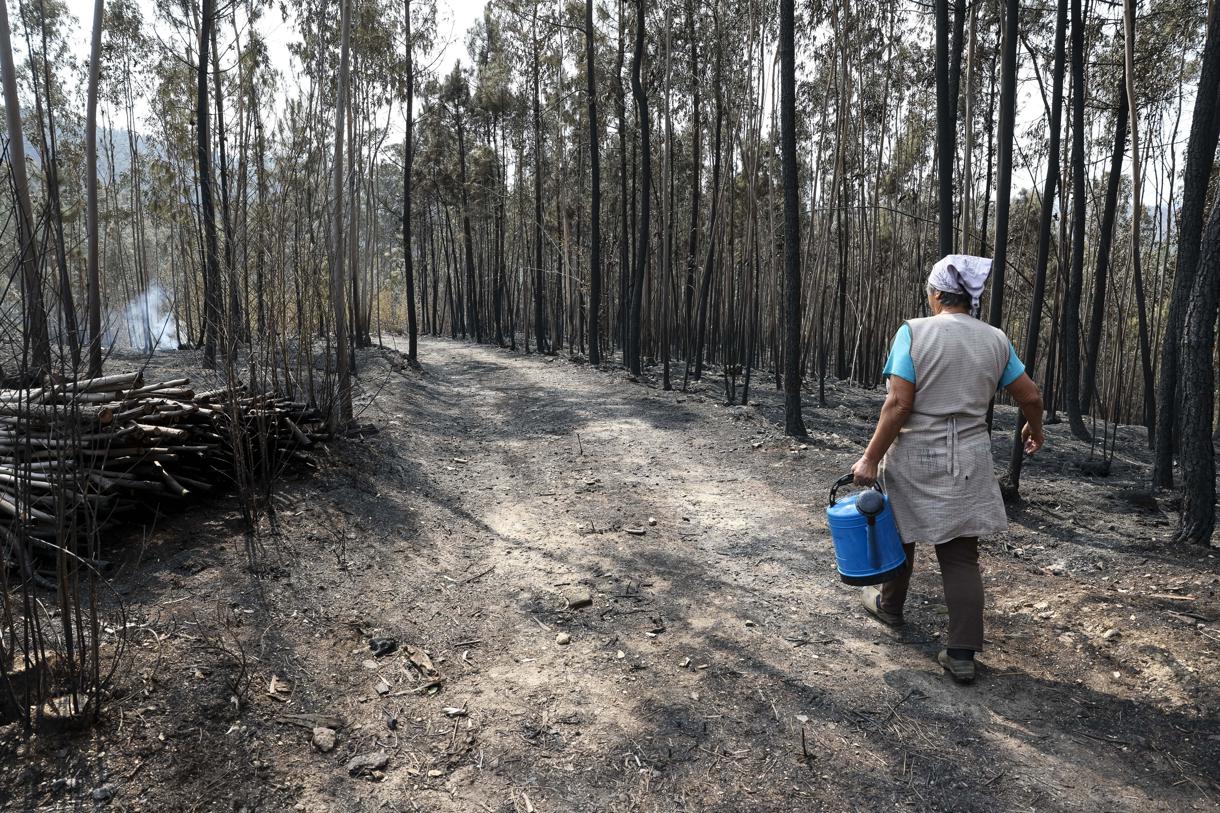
720,665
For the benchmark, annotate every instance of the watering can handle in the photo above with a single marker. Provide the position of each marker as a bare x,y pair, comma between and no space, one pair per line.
846,479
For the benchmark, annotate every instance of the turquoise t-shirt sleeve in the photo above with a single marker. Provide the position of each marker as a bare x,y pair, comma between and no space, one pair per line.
1014,368
899,362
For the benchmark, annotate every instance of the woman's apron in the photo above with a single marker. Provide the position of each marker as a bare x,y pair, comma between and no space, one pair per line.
939,472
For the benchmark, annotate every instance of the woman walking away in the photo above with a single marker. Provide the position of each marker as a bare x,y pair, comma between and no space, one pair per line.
934,451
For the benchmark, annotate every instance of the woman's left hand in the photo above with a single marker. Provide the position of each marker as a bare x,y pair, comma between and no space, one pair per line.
865,471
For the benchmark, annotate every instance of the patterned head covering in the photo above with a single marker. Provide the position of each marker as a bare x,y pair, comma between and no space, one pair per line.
961,274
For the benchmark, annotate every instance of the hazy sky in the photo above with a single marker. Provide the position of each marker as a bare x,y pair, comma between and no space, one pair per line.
454,19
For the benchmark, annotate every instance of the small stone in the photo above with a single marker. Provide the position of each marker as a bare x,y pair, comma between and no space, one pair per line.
1110,634
620,654
652,521
1042,605
434,773
364,764
578,597
324,739
563,639
103,794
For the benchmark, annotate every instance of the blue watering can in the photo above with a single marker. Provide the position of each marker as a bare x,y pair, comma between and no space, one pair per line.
868,549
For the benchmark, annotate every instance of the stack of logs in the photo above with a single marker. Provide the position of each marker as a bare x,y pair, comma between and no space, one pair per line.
82,454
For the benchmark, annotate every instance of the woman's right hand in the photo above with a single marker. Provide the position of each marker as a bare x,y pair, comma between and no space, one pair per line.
1034,440
865,471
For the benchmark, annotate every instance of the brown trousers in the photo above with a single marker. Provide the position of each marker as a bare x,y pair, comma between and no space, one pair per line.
959,569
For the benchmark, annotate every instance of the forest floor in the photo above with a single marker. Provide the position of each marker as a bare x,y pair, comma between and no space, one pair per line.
720,666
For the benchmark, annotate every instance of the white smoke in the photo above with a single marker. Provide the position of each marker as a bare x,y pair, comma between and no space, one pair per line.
146,324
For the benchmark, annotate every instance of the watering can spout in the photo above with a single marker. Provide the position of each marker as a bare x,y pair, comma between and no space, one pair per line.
870,504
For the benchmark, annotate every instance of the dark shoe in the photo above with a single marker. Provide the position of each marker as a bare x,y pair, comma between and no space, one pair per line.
871,598
961,669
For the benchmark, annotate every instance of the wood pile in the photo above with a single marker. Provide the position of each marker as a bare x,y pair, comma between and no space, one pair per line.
81,454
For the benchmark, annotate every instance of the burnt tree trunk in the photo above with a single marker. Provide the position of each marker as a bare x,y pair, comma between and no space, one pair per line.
692,243
595,197
1198,385
93,303
1012,480
1104,245
1008,111
212,307
705,288
639,269
793,423
1075,280
539,280
408,165
946,121
1200,152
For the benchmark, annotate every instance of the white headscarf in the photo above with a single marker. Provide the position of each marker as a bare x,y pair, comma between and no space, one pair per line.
961,274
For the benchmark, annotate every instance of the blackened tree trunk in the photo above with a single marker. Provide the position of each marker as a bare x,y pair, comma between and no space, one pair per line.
264,248
946,122
1012,480
1105,243
50,163
624,237
595,201
233,318
539,280
667,212
341,411
37,338
1198,385
1075,281
1137,219
956,42
502,194
793,423
692,242
212,308
1200,152
472,302
640,266
407,167
705,289
1008,113
93,298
